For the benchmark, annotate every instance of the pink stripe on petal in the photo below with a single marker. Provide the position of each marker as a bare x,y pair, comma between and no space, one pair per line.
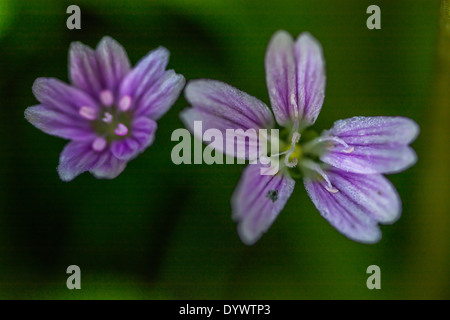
112,61
295,76
378,144
146,72
59,124
76,158
361,202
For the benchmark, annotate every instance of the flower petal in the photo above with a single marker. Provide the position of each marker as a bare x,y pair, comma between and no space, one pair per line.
361,202
311,77
142,136
76,158
145,74
160,96
58,124
295,71
108,166
61,97
221,106
112,61
94,71
378,144
280,75
257,201
84,69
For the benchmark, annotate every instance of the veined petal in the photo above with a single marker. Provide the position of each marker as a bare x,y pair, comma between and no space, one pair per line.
160,96
95,70
59,96
257,201
361,202
59,124
295,75
112,61
376,130
76,158
220,106
145,74
377,144
281,75
228,103
108,166
371,159
142,136
311,78
84,69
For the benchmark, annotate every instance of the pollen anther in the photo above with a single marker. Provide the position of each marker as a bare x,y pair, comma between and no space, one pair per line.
107,118
106,97
88,113
125,103
121,130
99,144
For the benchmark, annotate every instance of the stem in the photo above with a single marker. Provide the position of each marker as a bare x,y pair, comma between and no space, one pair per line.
432,243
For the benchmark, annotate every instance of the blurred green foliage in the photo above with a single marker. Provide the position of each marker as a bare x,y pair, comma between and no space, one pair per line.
161,231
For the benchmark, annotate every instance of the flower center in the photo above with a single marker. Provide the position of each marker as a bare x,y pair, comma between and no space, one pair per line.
296,154
110,122
301,158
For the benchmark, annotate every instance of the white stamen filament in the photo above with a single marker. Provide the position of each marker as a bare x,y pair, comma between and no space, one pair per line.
296,118
294,141
316,141
295,136
309,164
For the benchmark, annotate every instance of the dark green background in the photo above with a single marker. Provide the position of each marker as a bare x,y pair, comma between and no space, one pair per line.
161,231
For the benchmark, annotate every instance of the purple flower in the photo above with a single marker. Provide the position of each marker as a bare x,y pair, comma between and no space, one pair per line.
341,168
109,111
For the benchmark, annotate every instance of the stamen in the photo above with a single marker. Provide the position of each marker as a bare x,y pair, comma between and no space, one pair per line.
107,117
121,130
331,189
348,149
106,97
296,118
315,167
88,113
99,144
295,136
293,162
125,103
